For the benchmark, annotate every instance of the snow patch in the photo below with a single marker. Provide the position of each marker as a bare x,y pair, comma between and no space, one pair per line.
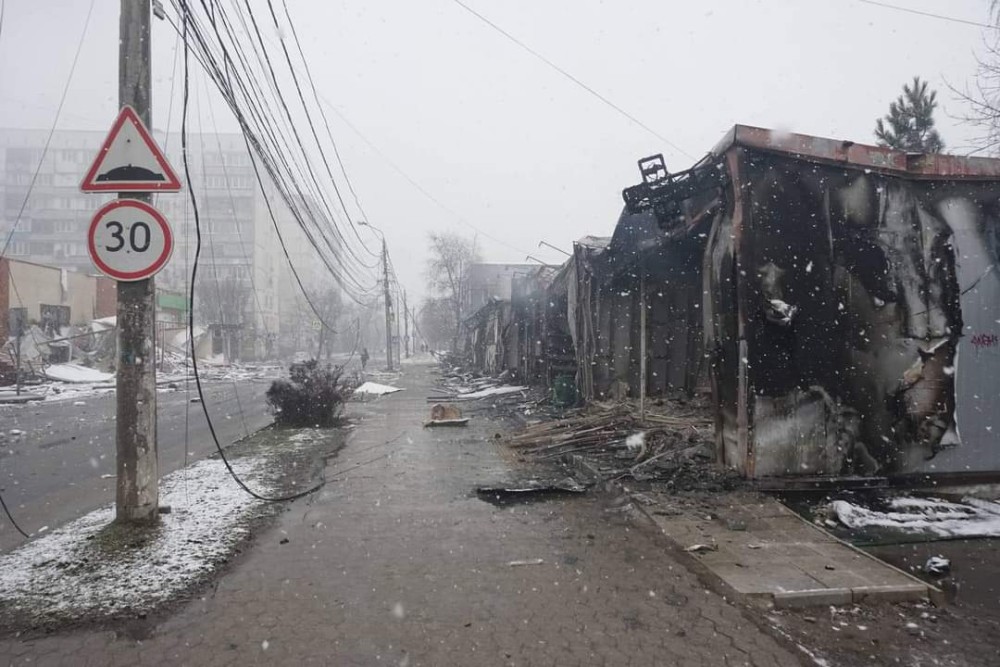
636,441
76,373
67,573
971,517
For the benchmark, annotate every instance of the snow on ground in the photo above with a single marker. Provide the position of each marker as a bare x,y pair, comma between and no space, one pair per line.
418,359
971,517
59,391
77,373
376,389
492,391
68,574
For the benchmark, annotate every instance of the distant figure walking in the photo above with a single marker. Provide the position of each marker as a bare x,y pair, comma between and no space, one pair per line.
364,358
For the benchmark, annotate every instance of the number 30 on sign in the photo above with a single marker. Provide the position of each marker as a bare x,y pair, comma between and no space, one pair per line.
129,240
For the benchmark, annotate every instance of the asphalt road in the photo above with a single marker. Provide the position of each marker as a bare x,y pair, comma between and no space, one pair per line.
62,463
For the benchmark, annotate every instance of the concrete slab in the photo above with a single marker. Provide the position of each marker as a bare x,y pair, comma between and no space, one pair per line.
763,549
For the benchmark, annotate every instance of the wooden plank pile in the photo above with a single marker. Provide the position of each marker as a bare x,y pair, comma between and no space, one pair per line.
618,442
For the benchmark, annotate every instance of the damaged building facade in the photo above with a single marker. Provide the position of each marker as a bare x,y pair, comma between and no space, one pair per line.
839,301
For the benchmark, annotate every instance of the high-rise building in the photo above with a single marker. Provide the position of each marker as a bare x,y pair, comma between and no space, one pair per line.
240,263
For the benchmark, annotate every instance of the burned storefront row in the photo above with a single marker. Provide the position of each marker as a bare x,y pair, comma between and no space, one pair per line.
848,290
839,301
636,313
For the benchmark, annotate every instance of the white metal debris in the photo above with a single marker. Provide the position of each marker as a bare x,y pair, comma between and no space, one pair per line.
376,389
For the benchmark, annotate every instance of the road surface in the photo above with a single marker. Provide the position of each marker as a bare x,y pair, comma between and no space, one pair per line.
57,459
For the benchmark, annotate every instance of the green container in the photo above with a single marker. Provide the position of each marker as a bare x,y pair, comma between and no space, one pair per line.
564,391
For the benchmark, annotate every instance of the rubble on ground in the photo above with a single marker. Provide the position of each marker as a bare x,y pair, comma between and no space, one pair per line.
495,394
672,443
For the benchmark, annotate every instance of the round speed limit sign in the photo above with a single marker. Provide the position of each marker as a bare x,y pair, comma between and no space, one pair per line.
129,240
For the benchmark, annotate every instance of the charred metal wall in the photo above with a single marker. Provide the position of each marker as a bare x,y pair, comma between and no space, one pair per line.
851,320
674,318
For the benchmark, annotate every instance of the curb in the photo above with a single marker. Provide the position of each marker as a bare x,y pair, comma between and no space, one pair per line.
916,591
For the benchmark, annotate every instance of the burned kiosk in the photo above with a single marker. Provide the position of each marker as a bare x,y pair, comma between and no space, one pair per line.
850,303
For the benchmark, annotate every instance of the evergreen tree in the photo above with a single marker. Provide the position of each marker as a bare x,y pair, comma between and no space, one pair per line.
909,126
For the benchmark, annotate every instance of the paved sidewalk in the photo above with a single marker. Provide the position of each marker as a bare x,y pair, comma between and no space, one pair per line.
761,548
396,562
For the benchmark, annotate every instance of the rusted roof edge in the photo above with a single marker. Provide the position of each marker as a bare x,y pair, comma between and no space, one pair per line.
860,156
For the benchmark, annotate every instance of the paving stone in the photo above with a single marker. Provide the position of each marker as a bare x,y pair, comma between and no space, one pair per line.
777,554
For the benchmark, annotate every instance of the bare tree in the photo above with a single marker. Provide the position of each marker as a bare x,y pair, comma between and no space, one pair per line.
983,97
448,273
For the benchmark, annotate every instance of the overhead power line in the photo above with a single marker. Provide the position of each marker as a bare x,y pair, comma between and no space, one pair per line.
574,79
419,188
253,93
941,17
312,127
262,126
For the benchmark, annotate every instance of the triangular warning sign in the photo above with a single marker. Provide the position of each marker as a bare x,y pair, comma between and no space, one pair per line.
130,161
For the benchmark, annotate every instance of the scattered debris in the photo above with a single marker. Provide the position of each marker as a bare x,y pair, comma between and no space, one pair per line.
441,411
446,415
670,444
530,491
701,548
447,422
376,389
491,391
530,561
937,565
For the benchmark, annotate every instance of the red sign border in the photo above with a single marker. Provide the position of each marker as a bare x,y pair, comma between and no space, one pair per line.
131,276
172,184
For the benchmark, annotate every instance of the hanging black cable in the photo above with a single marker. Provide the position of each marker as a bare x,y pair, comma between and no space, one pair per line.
11,518
194,273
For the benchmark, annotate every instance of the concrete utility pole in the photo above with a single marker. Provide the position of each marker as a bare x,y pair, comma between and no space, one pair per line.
388,305
399,339
137,495
406,325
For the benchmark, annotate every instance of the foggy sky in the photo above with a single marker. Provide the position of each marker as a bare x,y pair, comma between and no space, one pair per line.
501,140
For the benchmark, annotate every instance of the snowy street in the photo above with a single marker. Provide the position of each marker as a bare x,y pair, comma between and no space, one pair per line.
57,459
